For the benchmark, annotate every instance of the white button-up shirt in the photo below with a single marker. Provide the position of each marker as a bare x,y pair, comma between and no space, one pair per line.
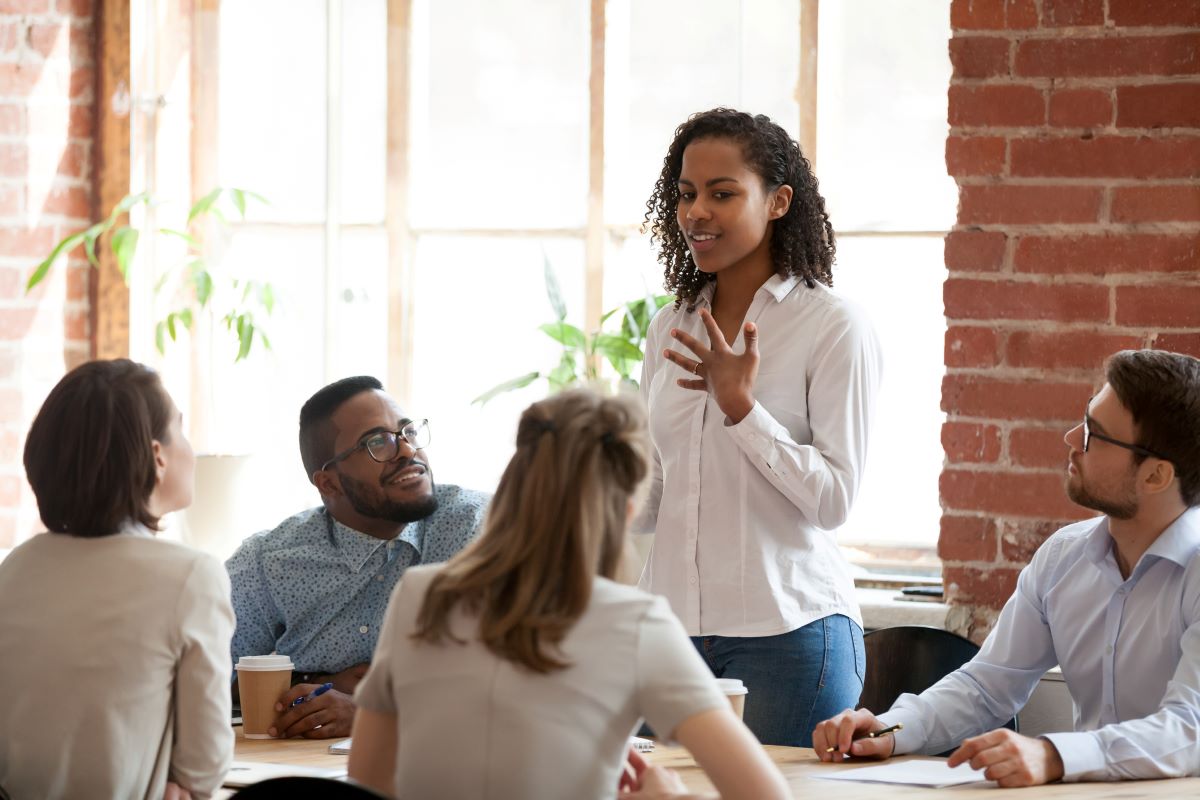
1129,651
743,514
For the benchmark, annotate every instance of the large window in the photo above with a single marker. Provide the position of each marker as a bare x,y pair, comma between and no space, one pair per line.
503,173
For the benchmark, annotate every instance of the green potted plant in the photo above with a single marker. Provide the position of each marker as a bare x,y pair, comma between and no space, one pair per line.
583,354
191,285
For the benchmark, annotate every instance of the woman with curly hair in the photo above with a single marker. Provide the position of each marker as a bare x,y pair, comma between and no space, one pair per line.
759,414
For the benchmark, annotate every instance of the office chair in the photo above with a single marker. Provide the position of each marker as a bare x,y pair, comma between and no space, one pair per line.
911,658
301,788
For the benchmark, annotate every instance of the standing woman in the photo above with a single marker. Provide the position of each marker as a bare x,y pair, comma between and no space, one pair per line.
760,383
114,645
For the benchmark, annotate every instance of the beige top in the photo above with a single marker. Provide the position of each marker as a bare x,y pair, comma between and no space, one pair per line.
115,668
473,725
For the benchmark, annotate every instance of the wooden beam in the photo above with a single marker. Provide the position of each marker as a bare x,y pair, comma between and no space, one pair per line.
401,251
806,88
110,294
596,236
204,66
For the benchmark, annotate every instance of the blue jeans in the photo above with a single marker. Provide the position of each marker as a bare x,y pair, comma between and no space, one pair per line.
796,679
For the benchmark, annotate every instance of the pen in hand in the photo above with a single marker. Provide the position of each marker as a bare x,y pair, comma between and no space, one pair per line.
899,726
317,692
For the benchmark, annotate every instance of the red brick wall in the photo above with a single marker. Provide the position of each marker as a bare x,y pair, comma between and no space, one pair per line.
1075,142
46,128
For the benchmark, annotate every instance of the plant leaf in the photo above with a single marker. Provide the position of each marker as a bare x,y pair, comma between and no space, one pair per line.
565,373
159,336
124,244
205,203
65,246
246,338
565,334
203,282
239,201
182,235
185,316
127,202
519,382
616,348
552,289
171,326
266,296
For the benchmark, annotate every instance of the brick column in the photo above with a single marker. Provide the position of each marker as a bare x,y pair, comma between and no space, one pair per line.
46,128
1075,142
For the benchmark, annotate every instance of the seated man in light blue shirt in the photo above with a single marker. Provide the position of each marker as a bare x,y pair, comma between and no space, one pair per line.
315,588
1115,601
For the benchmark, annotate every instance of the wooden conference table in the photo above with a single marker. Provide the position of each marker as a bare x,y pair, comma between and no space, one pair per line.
799,766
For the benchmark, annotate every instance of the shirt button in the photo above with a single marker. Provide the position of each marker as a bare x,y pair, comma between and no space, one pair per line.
1108,650
692,580
391,544
363,629
378,577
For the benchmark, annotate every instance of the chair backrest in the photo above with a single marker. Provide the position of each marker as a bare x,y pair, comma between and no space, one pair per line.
304,787
911,658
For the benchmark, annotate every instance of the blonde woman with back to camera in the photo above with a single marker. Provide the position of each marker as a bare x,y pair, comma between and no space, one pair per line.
520,667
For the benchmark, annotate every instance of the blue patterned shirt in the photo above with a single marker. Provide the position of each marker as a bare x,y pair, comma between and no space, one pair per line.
316,590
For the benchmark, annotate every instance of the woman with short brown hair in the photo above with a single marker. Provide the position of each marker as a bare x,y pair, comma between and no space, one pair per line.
115,643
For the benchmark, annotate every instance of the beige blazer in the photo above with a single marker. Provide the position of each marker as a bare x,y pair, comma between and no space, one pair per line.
115,668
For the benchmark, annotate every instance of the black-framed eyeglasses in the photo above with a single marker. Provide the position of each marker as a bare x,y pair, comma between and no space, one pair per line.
385,445
1089,434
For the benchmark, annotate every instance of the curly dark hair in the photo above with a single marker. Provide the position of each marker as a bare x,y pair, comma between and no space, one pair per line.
802,242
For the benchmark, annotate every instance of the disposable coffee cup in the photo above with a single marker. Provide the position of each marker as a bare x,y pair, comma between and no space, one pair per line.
736,691
261,681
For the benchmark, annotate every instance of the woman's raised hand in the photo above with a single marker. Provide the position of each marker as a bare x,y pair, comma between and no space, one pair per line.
730,376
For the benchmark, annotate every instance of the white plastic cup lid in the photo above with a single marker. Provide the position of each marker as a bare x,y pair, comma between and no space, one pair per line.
732,686
264,663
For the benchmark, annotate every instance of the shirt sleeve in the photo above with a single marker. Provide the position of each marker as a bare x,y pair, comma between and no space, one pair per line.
1165,744
822,479
259,623
203,745
376,691
647,518
673,683
993,686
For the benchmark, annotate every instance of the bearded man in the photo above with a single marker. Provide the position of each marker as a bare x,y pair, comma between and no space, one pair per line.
1115,601
315,588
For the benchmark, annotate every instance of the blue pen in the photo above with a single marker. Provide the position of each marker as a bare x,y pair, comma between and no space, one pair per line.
317,692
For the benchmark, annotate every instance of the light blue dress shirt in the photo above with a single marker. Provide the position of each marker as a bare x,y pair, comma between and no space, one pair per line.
1129,651
316,590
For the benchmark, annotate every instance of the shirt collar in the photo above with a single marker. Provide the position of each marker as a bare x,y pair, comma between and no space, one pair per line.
1180,541
136,529
357,547
777,286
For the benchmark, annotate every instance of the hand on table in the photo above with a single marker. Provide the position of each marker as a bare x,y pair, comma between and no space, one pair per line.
176,792
657,783
730,376
840,732
1010,759
326,716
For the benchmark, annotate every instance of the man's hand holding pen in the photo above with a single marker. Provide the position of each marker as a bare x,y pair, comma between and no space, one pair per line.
314,712
857,734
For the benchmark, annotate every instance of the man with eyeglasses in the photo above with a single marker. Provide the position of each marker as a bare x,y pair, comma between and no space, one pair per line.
315,588
1114,601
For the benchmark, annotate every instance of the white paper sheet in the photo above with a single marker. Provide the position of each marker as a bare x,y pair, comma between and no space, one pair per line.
244,773
932,774
341,748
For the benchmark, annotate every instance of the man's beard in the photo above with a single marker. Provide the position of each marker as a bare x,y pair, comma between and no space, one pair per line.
372,501
1123,508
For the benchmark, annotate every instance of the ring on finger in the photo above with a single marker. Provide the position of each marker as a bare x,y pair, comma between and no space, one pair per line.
696,368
